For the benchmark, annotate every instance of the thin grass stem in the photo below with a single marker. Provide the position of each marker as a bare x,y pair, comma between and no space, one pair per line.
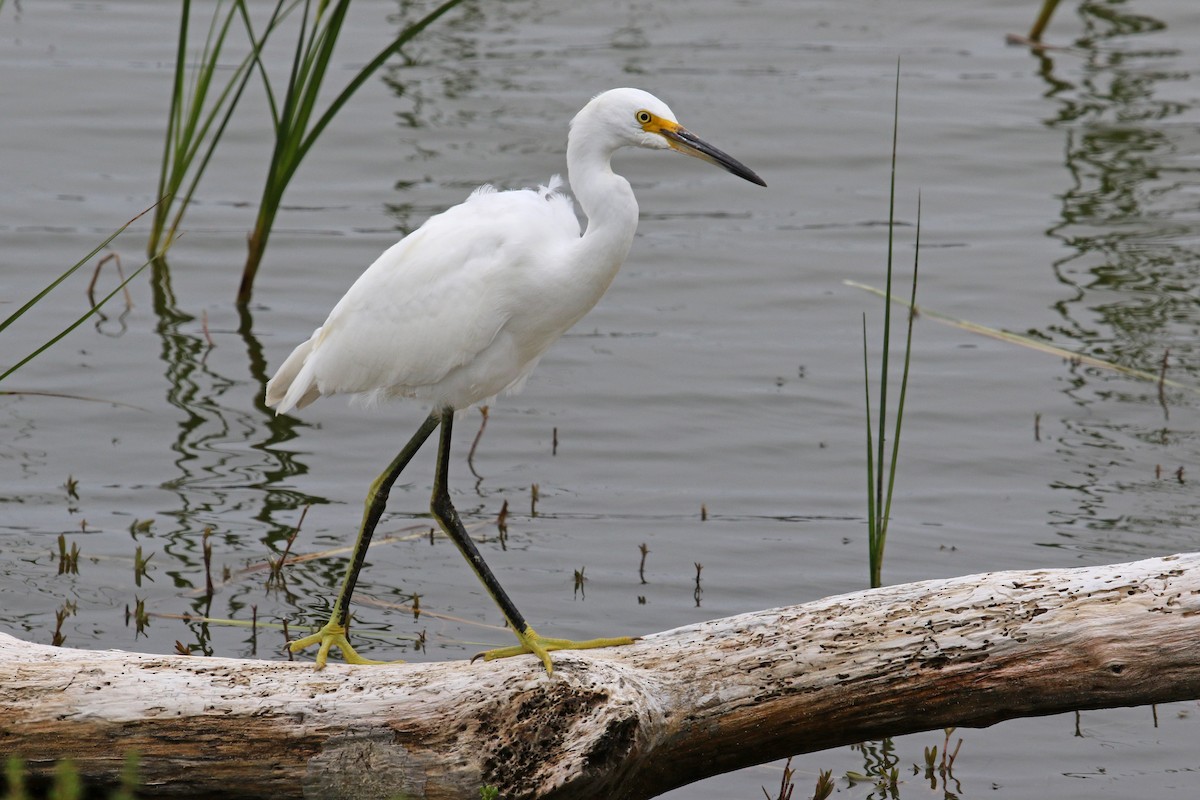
881,523
169,138
887,508
194,124
93,310
295,130
37,297
881,471
870,453
1025,341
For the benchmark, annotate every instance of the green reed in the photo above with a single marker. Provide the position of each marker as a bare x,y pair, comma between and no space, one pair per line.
881,471
199,111
203,102
294,120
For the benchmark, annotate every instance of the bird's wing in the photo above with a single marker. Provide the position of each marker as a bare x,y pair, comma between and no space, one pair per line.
432,302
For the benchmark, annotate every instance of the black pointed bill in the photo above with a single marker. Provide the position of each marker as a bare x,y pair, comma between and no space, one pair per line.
686,142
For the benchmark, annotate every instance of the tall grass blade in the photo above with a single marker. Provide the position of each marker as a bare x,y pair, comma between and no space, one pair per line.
198,113
887,507
881,522
295,132
94,309
871,512
881,472
380,59
173,112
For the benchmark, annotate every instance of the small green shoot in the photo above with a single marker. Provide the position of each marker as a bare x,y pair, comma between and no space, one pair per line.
14,778
943,769
127,788
275,577
786,785
141,566
60,616
67,783
139,616
947,765
68,560
825,785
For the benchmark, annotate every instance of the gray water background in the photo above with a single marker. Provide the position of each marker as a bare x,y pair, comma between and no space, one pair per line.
723,369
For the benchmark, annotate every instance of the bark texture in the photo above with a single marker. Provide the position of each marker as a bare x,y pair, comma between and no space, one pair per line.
628,722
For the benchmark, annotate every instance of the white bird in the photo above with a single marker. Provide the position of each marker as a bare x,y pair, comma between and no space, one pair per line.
463,308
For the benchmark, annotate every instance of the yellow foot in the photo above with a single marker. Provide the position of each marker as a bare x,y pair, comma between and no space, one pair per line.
331,635
541,647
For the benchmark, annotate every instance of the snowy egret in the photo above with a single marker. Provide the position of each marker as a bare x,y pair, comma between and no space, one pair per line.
462,309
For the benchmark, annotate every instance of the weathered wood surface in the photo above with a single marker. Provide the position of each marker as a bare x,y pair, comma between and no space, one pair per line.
622,723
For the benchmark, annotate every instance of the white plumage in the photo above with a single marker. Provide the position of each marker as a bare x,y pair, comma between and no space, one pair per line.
445,314
462,309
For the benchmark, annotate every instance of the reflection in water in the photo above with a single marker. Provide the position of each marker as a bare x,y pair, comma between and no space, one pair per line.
227,458
1129,221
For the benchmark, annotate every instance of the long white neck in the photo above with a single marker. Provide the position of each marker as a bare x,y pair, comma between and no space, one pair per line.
607,201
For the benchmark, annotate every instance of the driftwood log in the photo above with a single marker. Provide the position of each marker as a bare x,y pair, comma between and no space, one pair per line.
630,722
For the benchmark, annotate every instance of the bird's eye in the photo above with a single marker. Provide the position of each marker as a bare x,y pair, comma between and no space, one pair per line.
644,116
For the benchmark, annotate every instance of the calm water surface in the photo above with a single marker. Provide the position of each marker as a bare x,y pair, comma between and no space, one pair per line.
1060,198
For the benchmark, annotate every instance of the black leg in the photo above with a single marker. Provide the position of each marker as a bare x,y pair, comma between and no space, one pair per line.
334,632
530,641
376,502
445,513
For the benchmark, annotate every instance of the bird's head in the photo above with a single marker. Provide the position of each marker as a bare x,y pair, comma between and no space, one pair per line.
635,118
